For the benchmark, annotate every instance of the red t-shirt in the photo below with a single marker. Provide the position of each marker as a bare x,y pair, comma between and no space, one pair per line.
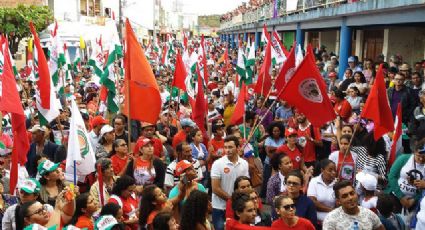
85,222
302,224
295,155
216,144
346,170
129,207
309,152
178,138
118,164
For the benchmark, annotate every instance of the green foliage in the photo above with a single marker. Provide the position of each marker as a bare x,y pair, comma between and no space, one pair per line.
15,22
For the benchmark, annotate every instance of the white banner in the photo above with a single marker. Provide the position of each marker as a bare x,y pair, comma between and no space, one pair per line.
291,5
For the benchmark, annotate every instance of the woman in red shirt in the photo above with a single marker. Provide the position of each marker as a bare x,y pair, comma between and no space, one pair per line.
85,207
124,196
119,157
291,149
153,201
285,208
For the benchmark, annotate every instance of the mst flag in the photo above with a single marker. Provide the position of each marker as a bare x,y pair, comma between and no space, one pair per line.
42,69
306,90
200,104
139,81
377,107
79,148
286,72
264,81
11,103
239,111
179,73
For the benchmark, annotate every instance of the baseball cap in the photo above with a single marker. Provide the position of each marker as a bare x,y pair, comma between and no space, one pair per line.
144,141
99,120
46,167
187,122
106,129
30,186
332,74
105,222
146,124
368,181
37,128
290,131
351,59
181,167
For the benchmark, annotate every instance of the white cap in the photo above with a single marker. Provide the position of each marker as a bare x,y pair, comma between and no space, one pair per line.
106,129
368,181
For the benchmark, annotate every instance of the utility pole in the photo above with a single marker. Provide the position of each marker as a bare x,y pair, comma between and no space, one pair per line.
154,21
120,22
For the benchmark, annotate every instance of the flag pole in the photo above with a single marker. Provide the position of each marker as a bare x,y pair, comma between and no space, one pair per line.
127,96
75,172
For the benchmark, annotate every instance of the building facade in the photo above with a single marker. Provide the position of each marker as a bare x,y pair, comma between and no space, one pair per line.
366,29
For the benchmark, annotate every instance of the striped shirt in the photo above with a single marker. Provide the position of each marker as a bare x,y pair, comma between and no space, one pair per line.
374,165
171,179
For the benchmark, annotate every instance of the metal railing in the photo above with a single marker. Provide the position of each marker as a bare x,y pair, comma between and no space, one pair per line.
266,11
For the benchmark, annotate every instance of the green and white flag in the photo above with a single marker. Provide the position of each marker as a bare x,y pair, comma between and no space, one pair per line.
240,65
250,64
109,76
190,62
79,148
97,58
77,61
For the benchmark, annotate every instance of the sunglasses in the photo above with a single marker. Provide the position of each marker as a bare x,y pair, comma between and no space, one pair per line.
291,183
39,211
289,207
121,145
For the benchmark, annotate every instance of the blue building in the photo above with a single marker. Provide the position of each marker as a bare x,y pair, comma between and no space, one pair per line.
366,28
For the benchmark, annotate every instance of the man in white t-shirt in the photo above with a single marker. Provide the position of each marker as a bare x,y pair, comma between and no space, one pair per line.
224,172
350,215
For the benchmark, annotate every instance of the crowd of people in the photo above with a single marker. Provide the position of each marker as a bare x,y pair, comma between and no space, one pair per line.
273,170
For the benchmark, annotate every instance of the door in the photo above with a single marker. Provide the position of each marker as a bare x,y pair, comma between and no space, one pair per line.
373,42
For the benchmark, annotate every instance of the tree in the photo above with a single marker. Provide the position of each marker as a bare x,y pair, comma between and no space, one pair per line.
15,22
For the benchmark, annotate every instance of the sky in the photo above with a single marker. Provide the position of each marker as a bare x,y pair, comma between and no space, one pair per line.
207,7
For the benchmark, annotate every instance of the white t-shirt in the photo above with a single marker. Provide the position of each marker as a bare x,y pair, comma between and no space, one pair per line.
338,219
323,193
227,172
370,203
403,181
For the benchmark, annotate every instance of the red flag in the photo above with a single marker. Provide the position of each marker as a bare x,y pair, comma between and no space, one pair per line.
185,41
204,60
286,72
179,73
277,38
200,105
377,107
396,144
11,103
306,90
100,180
43,83
239,111
140,82
264,82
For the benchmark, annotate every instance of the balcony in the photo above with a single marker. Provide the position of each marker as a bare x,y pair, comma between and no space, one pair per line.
307,10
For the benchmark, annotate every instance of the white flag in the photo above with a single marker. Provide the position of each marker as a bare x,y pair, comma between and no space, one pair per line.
79,148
